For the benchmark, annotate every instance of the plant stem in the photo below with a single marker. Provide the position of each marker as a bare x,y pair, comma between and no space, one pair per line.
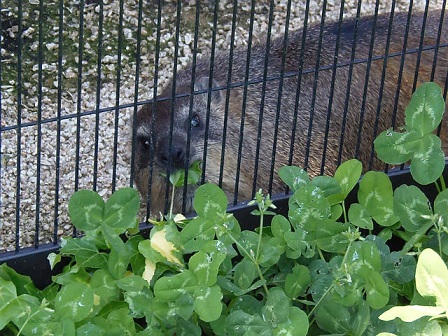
26,321
346,252
172,203
416,237
344,211
331,287
438,187
260,235
260,274
439,230
319,251
442,182
328,291
442,185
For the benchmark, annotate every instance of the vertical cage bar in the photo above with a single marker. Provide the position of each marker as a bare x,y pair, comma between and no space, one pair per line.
383,77
420,47
79,93
209,95
280,94
445,89
228,88
117,95
154,106
151,148
136,91
79,97
58,122
98,93
244,103
366,81
263,93
299,86
39,120
172,102
1,122
192,93
333,80
439,36
403,58
19,122
436,53
349,85
316,77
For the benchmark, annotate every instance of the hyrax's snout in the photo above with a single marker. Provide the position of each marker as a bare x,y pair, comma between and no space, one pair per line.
172,157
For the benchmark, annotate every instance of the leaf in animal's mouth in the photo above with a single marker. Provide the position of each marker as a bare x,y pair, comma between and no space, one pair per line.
194,172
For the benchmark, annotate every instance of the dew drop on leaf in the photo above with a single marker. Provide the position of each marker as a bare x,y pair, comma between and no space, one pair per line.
221,247
355,256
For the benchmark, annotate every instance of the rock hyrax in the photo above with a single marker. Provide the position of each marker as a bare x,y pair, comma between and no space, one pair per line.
244,123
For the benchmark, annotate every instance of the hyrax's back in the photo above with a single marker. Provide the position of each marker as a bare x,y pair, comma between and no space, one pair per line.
337,111
313,100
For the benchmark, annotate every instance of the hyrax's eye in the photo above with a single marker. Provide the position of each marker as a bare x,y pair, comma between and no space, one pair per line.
144,142
195,122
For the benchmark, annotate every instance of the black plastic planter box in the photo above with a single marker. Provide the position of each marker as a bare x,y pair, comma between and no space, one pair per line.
33,261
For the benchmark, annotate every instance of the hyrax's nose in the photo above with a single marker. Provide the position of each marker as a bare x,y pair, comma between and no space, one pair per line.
173,157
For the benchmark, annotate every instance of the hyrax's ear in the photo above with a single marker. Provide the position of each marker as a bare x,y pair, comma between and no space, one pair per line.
144,114
203,83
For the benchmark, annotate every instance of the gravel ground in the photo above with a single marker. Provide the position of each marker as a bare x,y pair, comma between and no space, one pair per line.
38,177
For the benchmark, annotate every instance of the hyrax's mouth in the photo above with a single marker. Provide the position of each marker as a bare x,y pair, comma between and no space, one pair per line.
177,176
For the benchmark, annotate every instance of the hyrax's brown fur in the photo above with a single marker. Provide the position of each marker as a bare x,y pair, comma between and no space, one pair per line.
319,121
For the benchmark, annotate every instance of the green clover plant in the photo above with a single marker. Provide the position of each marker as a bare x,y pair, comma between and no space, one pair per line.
431,280
417,144
328,266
